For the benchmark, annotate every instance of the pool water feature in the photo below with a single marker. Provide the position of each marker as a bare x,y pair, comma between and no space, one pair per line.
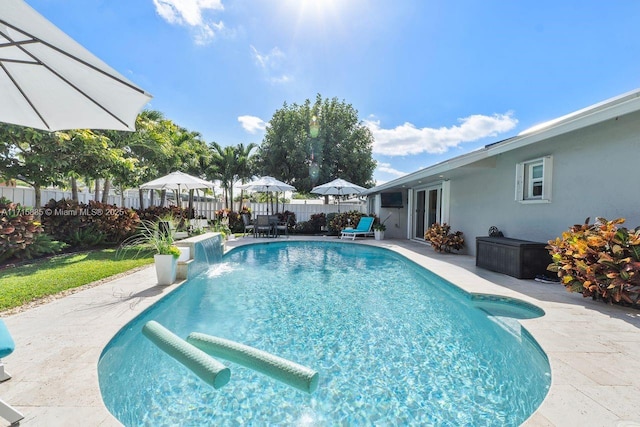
394,344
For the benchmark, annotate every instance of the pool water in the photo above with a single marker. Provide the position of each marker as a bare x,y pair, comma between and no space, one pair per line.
394,344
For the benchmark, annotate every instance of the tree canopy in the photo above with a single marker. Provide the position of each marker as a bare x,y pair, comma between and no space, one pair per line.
310,144
304,145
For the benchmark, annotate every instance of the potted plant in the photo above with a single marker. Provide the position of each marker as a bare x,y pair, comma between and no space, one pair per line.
153,236
378,231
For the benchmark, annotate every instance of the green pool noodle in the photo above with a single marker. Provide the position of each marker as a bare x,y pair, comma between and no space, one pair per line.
286,371
210,370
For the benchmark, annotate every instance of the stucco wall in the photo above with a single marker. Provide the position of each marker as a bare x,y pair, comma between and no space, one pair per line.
596,172
397,222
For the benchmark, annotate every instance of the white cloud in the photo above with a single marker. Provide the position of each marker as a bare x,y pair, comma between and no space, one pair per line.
252,124
280,79
386,168
189,13
271,63
407,139
267,60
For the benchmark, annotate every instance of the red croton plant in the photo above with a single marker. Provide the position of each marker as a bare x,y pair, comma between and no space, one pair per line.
600,260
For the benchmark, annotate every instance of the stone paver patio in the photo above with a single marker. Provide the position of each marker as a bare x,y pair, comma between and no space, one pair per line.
592,347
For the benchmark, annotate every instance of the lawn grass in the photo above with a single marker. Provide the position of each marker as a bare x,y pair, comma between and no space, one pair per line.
50,276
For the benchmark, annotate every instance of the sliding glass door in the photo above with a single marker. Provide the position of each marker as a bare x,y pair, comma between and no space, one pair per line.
428,209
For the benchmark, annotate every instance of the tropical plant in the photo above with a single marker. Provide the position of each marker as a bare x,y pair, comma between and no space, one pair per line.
91,224
441,238
230,164
21,236
600,260
222,227
42,245
339,221
85,237
150,236
115,223
379,226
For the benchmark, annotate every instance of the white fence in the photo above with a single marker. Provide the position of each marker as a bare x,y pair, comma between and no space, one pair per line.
26,197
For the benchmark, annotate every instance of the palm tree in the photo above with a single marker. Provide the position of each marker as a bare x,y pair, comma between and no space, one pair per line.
229,164
245,166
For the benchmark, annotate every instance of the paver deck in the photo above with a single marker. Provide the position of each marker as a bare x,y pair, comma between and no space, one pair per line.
592,347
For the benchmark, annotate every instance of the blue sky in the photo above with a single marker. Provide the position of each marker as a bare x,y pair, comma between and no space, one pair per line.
432,79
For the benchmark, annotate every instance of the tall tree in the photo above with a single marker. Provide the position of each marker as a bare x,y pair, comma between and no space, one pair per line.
42,158
245,168
229,165
307,144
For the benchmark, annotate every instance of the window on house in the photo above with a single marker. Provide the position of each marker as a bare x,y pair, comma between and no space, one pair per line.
533,180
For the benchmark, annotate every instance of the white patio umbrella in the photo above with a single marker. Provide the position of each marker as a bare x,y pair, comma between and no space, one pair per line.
48,81
266,184
177,181
338,187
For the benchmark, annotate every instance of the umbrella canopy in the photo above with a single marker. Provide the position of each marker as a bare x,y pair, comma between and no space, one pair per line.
338,187
177,181
48,81
267,183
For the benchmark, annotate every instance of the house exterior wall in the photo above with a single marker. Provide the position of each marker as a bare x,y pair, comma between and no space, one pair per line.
595,174
395,219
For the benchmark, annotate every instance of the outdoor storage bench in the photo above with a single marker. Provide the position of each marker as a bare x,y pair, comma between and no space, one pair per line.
522,259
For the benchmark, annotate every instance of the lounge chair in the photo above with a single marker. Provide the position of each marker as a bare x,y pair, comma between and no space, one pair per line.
362,229
6,348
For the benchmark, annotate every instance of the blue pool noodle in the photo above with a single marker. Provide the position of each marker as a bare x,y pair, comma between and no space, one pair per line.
284,370
210,370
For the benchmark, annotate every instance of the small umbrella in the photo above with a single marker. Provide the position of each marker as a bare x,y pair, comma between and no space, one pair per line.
48,81
338,187
266,184
177,181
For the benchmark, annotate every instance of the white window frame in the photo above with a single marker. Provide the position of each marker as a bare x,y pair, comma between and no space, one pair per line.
525,181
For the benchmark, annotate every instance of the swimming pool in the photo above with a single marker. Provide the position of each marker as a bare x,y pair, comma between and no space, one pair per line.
394,344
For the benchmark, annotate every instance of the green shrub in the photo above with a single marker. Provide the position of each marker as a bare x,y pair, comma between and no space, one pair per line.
154,213
305,227
331,226
116,224
233,220
316,222
73,222
86,237
21,236
442,240
43,244
600,260
61,219
339,221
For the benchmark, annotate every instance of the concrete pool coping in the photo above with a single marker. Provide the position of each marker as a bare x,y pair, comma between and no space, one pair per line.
591,346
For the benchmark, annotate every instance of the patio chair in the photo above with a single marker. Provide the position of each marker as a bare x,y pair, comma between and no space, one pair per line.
6,348
248,225
283,226
362,229
262,225
279,227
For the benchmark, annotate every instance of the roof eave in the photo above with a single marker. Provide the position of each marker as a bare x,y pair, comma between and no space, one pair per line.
606,110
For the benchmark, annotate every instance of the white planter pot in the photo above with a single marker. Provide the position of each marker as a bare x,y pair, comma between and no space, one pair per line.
166,267
185,253
378,234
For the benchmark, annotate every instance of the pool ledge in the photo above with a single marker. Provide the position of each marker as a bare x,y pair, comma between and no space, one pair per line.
54,366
